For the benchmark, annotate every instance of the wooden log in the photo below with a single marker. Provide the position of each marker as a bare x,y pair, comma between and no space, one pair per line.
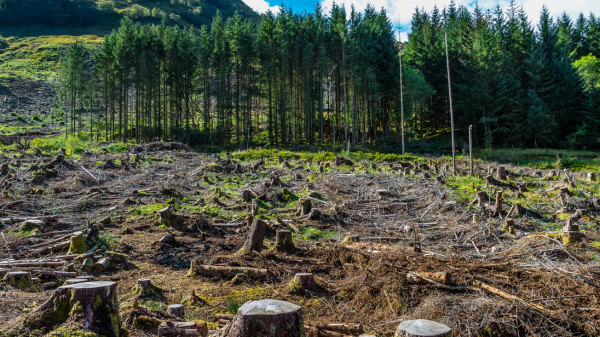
183,329
52,273
74,281
176,310
303,283
508,296
283,240
32,264
422,328
88,265
227,272
441,277
228,317
346,329
55,248
255,237
116,257
102,265
266,318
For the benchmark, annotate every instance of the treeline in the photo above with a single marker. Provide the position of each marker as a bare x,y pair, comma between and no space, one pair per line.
518,84
48,12
294,78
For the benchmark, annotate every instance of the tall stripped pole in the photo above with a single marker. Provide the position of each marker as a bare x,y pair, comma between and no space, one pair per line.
451,111
471,147
401,97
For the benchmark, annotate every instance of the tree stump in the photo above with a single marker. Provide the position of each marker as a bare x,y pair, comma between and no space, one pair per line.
498,206
166,216
315,214
490,181
255,237
169,239
305,206
439,180
145,289
501,173
176,310
247,195
19,279
279,159
523,188
480,198
422,328
266,318
519,209
94,305
591,176
274,181
283,240
303,283
102,265
382,194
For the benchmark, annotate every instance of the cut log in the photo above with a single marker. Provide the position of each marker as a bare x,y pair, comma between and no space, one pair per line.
176,310
116,257
382,194
266,318
283,240
183,329
94,305
439,180
422,328
442,277
303,283
19,279
102,265
501,293
226,271
255,237
32,264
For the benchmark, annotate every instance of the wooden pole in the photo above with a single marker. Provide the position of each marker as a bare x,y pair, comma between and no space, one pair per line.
451,111
471,147
401,100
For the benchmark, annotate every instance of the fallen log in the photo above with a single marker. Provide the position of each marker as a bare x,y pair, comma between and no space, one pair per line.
501,293
226,271
32,264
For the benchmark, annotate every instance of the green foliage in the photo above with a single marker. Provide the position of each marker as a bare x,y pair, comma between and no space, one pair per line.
117,147
313,234
106,240
588,67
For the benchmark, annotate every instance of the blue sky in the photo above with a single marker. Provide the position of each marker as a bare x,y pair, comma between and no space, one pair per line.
402,10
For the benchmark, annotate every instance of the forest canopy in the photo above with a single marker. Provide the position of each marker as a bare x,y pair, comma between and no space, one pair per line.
324,78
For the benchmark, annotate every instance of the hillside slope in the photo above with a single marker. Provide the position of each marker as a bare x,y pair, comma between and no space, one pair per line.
107,13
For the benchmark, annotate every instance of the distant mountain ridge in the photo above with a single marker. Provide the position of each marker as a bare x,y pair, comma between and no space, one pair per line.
82,13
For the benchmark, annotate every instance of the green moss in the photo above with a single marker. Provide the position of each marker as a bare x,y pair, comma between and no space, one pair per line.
145,322
295,285
78,245
71,331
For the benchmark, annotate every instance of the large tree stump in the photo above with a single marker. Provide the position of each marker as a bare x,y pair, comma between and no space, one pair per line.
422,328
266,318
248,195
305,205
303,283
166,216
480,198
522,188
498,205
255,237
169,239
283,240
19,279
93,305
176,310
315,214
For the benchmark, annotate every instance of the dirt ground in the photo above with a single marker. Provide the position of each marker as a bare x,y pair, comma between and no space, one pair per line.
378,227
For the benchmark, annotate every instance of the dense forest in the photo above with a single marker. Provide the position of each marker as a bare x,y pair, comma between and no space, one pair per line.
324,78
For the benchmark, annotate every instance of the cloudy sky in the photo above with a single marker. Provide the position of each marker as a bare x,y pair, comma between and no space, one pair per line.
402,10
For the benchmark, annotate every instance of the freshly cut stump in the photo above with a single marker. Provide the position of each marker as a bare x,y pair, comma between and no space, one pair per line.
176,310
19,279
304,283
283,240
94,305
422,328
254,240
266,318
75,281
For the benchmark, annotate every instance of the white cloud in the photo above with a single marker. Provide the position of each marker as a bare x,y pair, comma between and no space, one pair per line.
261,6
402,10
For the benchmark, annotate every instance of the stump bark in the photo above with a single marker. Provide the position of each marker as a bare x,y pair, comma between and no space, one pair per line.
254,240
283,240
266,318
176,310
422,328
93,305
303,283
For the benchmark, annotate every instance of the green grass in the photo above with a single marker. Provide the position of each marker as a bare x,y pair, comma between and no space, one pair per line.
313,234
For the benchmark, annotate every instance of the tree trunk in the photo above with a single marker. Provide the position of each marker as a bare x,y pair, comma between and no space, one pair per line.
266,318
254,240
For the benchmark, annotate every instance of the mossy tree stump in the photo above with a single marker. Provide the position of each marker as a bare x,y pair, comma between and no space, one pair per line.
303,283
255,237
19,279
166,216
145,289
283,240
94,305
266,318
